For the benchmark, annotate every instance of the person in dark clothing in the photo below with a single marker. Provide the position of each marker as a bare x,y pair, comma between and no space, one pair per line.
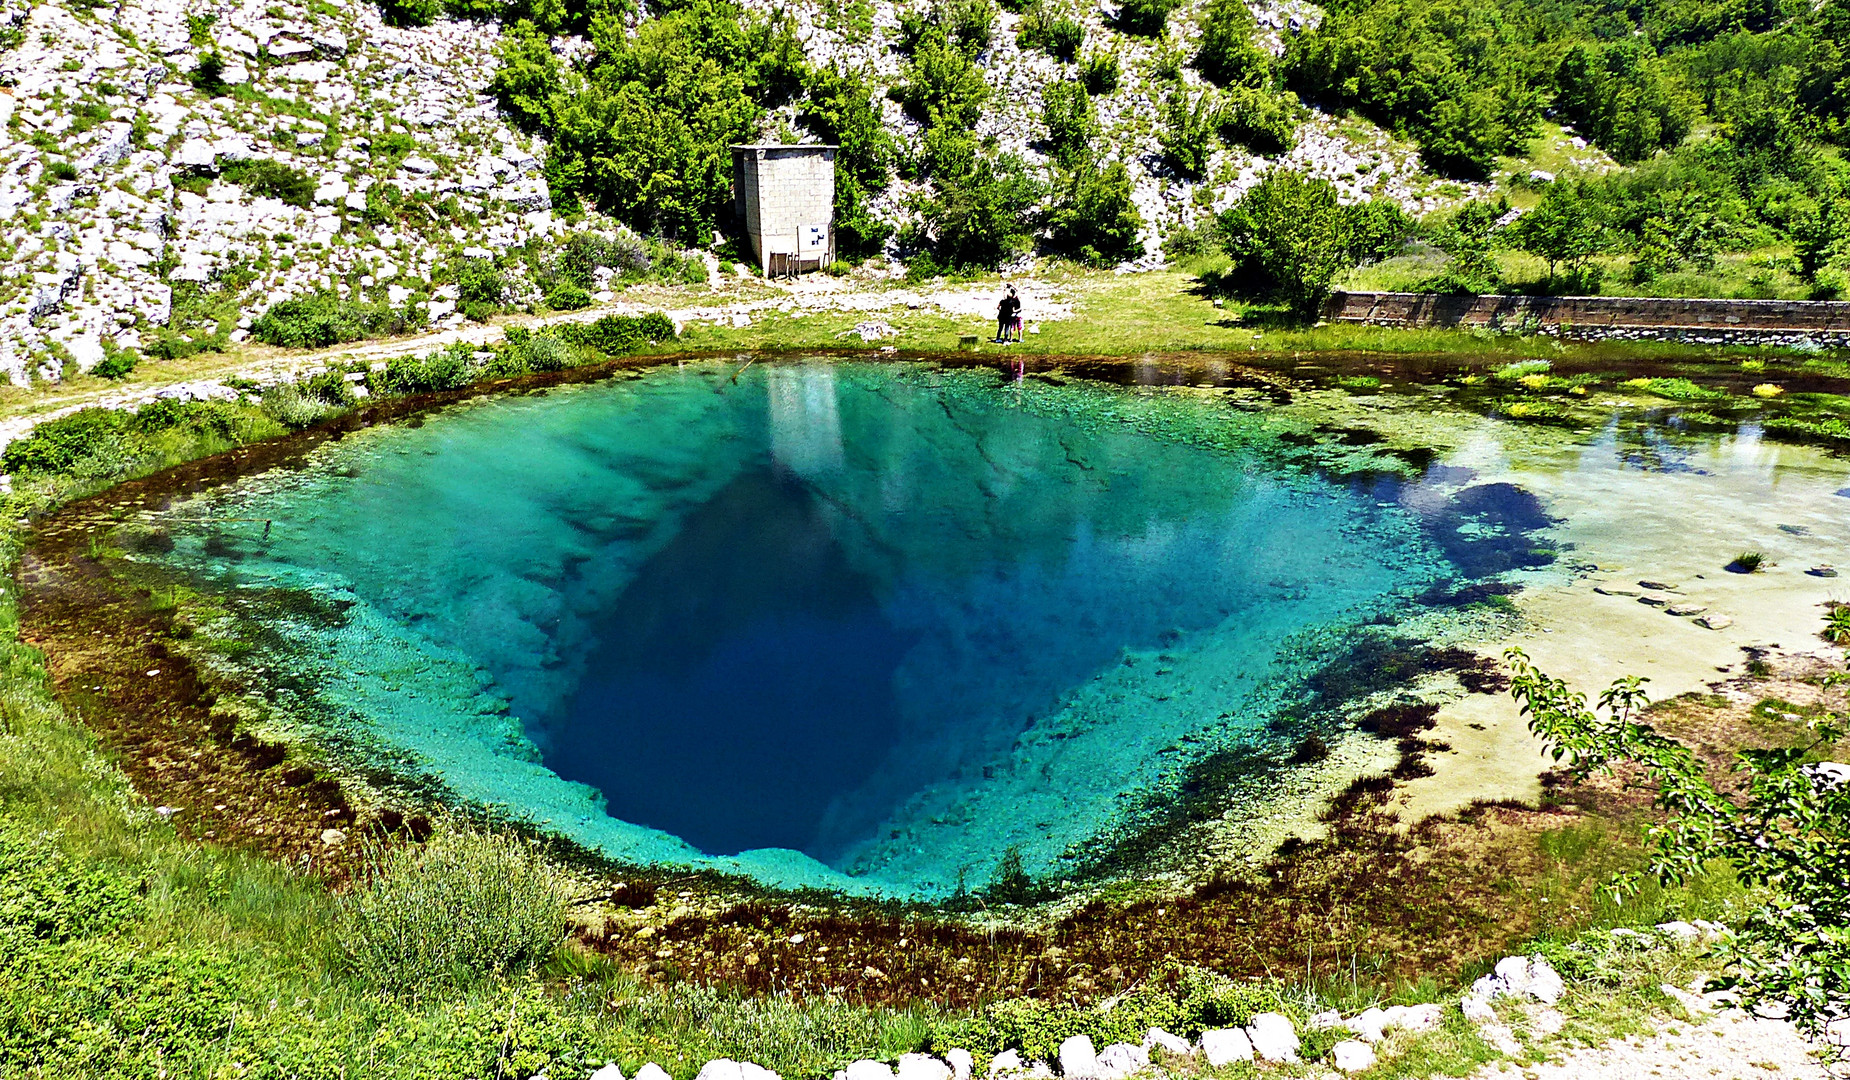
1008,316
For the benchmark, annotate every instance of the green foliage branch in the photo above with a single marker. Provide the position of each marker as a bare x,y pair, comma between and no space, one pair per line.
1784,827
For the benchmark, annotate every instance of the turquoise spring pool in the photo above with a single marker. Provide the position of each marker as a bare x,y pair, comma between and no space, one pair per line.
865,627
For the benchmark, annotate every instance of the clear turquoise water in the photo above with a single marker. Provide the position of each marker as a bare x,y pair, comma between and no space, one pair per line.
864,627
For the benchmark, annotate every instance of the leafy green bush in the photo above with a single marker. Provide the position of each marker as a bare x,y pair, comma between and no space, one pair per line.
89,441
286,404
272,180
566,296
1624,98
1287,238
1456,75
469,906
617,335
480,289
208,76
841,108
324,319
1262,121
119,364
446,369
60,172
1100,73
1096,221
1053,32
1145,18
546,352
1783,825
982,212
1228,55
942,86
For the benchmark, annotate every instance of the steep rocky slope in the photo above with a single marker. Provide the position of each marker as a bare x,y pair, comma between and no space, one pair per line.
147,203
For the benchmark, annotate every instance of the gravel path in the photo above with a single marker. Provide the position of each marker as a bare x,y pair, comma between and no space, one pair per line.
1729,1046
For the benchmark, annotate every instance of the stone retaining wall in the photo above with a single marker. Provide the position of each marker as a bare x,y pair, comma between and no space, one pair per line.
1759,322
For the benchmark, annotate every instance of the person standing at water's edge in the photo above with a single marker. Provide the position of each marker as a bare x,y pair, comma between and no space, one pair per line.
1008,315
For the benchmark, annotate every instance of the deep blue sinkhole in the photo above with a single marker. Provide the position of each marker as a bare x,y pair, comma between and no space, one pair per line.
743,682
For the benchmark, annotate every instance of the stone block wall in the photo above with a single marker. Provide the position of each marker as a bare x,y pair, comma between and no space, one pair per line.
1770,322
779,190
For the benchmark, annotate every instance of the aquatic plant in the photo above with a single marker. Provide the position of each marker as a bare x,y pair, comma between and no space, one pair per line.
1786,831
1522,369
469,906
1768,390
1747,562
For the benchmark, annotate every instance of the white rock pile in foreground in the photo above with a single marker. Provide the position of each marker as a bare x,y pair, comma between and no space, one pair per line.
1268,1037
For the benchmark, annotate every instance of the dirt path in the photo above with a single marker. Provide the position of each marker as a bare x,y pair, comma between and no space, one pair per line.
735,304
1731,1045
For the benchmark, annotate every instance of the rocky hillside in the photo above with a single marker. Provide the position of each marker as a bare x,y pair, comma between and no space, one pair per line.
170,171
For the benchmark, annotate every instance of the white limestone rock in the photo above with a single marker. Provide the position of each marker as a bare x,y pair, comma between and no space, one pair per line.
923,1067
1274,1038
112,148
608,1072
1158,1039
961,1063
1008,1061
651,1071
1224,1046
865,1069
1120,1060
1351,1056
1078,1058
727,1069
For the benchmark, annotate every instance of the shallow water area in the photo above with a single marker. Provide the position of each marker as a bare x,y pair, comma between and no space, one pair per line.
865,627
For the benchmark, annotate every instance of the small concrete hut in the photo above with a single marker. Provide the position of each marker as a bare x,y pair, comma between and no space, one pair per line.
786,197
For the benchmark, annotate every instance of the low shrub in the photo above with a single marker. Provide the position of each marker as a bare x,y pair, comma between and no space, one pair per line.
1145,18
616,335
272,180
324,319
286,404
1054,33
467,907
117,365
567,297
48,896
1182,1000
1101,72
84,442
1263,122
446,369
546,352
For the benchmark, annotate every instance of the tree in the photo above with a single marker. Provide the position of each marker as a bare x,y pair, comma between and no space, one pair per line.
1623,97
1784,828
839,107
981,212
1287,239
1228,56
1096,222
1563,228
1468,235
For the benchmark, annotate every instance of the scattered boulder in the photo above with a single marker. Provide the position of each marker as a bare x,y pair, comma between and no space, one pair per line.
1273,1037
651,1071
727,1069
1078,1059
1158,1039
1008,1061
923,1067
1351,1056
1686,609
1370,1025
1120,1060
1224,1046
1715,621
865,1069
962,1064
608,1072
